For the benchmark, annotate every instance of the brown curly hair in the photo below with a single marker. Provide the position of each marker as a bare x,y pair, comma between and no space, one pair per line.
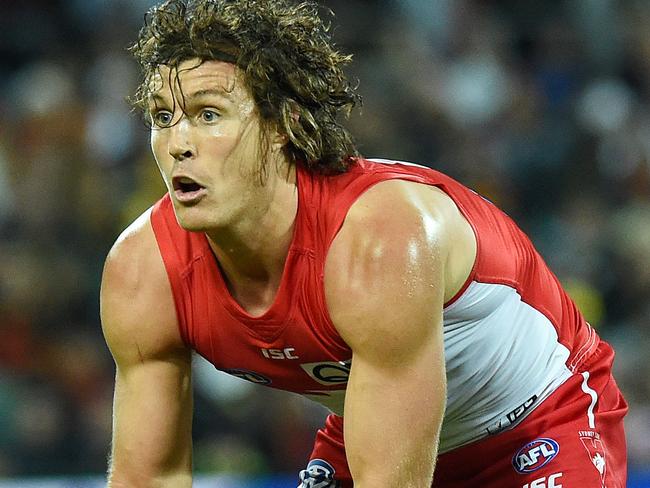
288,60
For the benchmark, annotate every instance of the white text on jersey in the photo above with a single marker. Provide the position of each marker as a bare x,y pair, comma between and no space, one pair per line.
286,353
544,482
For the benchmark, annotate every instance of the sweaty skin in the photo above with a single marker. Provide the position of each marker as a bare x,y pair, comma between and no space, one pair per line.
403,250
207,131
399,268
152,410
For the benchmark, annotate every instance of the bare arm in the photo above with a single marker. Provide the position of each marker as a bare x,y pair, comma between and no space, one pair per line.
152,410
387,305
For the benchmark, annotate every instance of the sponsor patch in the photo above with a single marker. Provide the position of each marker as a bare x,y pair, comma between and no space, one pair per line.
329,372
319,474
247,375
534,455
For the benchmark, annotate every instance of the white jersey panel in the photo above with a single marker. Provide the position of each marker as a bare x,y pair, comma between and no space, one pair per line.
503,359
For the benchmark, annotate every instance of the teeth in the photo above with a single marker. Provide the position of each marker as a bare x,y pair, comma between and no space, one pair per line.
186,181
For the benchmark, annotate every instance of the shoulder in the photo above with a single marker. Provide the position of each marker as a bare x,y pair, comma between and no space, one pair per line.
133,255
390,218
137,305
389,261
396,221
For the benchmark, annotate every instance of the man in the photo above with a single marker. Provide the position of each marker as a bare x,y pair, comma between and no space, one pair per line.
410,306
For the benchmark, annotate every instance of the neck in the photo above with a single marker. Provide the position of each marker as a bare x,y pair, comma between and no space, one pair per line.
253,250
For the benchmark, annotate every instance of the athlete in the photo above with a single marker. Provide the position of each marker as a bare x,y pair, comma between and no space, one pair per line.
415,310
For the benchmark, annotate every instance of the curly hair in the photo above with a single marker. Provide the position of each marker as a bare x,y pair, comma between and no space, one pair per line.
287,58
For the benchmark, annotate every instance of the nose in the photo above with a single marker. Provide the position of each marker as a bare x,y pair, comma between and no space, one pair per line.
180,145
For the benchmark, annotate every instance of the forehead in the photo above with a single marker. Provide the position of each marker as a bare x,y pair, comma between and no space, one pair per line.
194,75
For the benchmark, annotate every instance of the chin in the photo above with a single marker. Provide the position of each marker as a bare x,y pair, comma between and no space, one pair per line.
193,227
192,221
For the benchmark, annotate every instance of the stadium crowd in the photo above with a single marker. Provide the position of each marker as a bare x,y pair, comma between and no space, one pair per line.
543,107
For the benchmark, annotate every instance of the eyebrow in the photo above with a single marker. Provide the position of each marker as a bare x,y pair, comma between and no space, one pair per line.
198,94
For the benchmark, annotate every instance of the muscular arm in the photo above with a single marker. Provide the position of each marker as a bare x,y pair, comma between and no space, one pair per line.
385,285
152,410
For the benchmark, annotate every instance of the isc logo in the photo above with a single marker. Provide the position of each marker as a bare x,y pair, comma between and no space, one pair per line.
286,353
534,455
544,482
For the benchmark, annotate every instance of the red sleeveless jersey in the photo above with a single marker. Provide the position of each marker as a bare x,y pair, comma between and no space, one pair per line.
294,346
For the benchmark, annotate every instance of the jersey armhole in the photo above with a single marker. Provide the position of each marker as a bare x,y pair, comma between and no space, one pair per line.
472,274
171,260
339,220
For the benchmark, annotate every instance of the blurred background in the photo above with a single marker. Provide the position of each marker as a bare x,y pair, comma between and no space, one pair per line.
544,107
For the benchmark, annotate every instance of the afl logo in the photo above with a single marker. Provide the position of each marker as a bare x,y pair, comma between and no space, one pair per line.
534,455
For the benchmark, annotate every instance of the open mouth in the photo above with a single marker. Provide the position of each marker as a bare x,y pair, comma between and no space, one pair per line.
186,185
186,189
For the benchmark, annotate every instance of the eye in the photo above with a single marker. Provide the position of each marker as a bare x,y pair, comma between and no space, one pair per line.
162,118
209,115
